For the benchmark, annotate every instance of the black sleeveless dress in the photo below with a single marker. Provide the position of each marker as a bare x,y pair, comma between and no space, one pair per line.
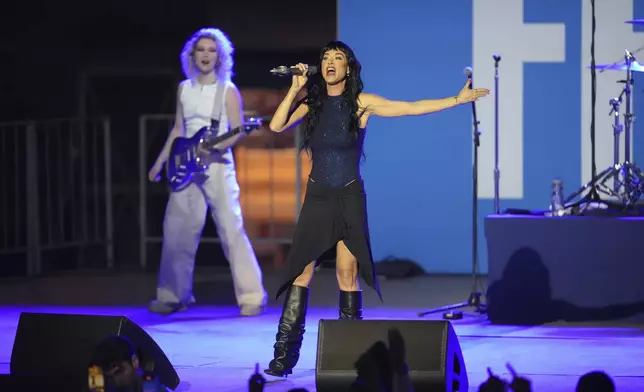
335,204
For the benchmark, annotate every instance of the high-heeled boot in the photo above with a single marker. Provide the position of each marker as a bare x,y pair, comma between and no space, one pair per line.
351,305
290,332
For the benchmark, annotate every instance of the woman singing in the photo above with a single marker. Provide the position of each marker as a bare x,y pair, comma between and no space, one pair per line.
333,219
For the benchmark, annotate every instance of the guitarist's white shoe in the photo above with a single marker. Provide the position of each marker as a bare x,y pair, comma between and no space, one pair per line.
251,310
165,309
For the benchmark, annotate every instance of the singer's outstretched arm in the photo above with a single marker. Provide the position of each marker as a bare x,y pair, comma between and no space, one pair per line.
379,106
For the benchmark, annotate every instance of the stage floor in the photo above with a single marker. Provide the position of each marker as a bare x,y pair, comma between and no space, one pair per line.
215,350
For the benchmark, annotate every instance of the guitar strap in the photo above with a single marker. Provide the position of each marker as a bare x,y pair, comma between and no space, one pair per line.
218,104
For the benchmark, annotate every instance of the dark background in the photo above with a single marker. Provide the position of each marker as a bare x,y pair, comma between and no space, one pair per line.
127,54
46,44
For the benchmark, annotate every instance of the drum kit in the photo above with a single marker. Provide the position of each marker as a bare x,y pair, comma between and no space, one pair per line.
628,179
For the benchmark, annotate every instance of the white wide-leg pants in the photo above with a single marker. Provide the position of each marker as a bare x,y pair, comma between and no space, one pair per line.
184,221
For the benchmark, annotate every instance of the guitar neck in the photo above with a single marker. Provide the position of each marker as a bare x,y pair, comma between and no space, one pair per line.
210,143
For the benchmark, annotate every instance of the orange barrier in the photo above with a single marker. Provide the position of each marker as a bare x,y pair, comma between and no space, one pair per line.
268,194
267,183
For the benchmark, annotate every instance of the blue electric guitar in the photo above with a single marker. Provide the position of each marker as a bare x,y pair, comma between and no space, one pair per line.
185,159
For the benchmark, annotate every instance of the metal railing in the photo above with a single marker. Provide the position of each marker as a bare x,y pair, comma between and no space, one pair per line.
269,172
55,189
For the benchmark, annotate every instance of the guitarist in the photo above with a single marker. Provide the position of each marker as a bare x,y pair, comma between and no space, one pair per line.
207,62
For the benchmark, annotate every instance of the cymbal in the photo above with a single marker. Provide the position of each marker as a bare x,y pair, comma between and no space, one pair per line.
636,21
635,67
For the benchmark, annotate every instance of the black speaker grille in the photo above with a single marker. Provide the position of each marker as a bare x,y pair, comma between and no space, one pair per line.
346,340
51,344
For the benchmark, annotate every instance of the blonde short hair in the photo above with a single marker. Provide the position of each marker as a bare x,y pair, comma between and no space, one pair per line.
225,49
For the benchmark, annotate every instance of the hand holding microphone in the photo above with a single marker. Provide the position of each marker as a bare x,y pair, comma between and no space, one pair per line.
300,74
283,70
300,78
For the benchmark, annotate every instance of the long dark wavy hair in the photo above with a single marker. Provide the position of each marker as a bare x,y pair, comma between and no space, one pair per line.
317,92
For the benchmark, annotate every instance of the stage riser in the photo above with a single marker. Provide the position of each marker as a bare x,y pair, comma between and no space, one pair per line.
573,268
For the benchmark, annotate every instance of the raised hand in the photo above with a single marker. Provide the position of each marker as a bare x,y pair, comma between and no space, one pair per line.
256,382
493,383
469,94
300,80
518,384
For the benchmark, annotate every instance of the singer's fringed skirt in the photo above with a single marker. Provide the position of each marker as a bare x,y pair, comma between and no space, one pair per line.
329,215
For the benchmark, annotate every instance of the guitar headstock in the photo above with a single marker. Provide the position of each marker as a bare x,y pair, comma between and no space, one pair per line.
251,123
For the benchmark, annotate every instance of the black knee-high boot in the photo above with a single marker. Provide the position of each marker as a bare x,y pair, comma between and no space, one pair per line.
351,305
290,332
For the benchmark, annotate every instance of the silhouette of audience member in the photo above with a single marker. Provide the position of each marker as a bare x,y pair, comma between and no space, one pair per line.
373,370
596,381
383,369
397,353
117,357
495,384
256,382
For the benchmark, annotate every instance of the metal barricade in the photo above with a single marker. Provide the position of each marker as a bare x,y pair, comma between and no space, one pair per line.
55,188
269,172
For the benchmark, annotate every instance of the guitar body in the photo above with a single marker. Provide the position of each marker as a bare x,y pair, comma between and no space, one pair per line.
184,161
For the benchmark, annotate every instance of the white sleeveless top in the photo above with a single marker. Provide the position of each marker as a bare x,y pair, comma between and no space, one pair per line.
197,101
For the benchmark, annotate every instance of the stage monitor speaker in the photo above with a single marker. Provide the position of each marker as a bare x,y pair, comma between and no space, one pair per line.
50,344
9,382
432,353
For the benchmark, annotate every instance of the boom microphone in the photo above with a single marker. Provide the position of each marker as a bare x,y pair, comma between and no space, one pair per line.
283,70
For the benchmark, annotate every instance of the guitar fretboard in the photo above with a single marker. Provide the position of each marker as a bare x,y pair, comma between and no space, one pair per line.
218,139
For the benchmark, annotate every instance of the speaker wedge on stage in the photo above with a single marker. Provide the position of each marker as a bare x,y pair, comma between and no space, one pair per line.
50,344
432,353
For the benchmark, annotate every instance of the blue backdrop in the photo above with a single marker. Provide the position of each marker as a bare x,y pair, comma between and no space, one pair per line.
418,170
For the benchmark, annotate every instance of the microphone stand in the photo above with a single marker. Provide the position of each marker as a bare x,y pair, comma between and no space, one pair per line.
497,173
617,130
626,174
474,299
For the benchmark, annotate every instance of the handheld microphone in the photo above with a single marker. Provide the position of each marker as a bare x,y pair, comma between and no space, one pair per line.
283,70
468,73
